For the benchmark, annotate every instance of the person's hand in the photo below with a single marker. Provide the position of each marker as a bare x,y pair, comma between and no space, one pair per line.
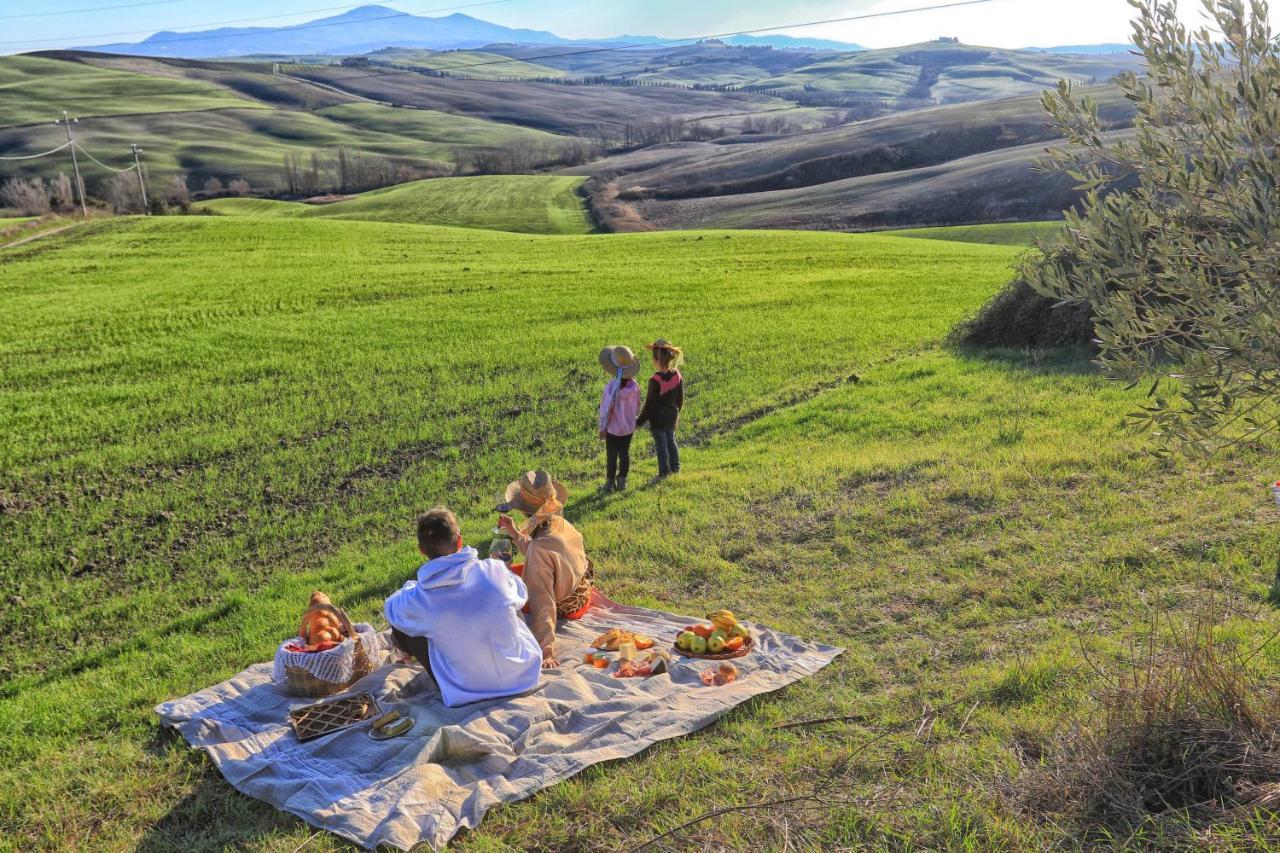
602,435
506,524
550,662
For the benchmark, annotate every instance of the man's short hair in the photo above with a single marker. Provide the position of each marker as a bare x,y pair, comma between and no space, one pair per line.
437,531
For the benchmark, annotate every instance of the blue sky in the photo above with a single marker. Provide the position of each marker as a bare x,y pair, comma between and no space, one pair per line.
26,25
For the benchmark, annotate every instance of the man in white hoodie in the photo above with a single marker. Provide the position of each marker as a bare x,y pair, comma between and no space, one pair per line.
461,618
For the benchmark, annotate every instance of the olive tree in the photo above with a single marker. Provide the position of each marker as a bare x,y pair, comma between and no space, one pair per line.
1176,243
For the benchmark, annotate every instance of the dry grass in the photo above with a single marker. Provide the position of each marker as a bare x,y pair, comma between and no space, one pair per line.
1181,742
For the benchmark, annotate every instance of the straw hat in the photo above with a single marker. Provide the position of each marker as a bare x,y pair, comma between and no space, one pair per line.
532,490
613,358
663,343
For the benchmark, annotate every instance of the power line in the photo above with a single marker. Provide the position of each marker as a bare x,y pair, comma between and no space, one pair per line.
104,165
92,9
675,42
307,26
41,154
608,49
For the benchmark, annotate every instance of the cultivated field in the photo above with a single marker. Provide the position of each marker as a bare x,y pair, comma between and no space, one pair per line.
533,204
240,121
206,418
35,91
916,168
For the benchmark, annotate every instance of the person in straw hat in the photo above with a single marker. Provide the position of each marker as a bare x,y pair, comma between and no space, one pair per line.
557,572
662,404
618,407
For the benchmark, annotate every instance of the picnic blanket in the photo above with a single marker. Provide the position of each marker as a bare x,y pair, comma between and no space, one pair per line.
456,763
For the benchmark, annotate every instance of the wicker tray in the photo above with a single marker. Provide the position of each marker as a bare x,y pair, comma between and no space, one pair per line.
324,718
747,645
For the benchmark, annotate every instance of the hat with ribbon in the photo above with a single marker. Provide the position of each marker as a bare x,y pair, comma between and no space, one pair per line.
620,361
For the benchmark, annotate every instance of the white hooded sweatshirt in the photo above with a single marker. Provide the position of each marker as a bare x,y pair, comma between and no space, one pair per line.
469,611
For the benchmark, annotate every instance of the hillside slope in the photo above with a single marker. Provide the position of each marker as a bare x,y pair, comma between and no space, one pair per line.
240,121
532,204
35,90
207,418
942,165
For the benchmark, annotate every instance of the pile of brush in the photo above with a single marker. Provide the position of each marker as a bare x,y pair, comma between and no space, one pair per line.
1182,740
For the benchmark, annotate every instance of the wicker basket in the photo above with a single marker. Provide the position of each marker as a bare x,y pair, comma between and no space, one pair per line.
300,682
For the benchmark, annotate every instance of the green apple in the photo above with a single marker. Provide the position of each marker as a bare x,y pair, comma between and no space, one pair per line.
739,631
715,643
698,645
685,640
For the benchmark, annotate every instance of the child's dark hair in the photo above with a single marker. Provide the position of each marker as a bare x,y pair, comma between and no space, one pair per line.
437,532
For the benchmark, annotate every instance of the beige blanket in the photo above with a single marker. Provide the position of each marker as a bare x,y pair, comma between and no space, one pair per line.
457,763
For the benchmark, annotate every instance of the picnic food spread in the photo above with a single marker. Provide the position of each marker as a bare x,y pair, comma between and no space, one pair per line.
321,624
725,635
613,639
720,675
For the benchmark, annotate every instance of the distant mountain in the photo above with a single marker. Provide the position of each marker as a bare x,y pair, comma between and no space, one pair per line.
792,43
361,30
1113,47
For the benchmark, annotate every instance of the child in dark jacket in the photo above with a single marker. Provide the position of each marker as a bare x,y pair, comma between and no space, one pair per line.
662,404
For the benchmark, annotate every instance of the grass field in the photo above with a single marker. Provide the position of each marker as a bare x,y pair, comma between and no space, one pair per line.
35,91
532,204
1000,234
439,134
239,121
467,63
206,418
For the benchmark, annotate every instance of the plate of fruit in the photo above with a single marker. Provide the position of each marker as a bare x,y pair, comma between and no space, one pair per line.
724,638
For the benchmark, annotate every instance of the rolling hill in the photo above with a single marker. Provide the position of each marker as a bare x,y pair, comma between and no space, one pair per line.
239,121
464,63
942,165
551,107
531,204
35,90
940,72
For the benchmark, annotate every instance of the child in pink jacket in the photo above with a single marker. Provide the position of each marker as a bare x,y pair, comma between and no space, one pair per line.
618,406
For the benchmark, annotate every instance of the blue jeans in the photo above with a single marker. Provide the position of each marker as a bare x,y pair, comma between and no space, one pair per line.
664,444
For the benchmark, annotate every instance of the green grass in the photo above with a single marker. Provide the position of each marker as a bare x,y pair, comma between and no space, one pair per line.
34,90
439,134
533,204
1001,234
467,63
956,72
206,418
9,221
214,132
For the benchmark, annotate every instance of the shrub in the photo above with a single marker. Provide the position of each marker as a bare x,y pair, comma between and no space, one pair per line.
122,193
1020,317
28,196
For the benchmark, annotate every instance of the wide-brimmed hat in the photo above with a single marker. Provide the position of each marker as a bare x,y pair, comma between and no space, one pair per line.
613,359
532,490
663,343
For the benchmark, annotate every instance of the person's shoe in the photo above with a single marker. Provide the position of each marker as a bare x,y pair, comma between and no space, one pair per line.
622,484
609,486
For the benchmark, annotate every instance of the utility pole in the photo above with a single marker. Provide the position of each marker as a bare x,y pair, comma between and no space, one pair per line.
142,185
75,164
